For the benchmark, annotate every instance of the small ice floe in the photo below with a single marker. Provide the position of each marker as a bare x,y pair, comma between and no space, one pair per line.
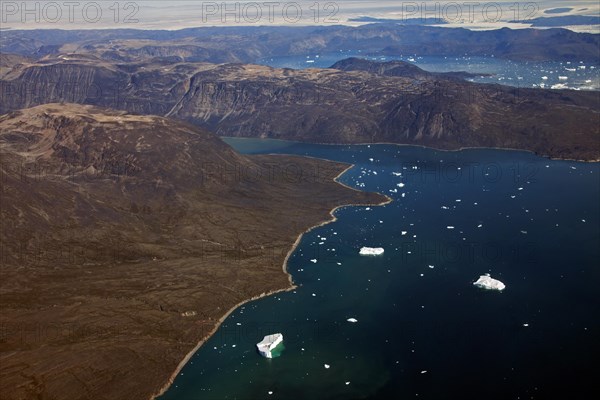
268,343
397,173
480,225
348,382
270,392
545,78
371,251
403,194
424,371
339,263
431,266
353,320
445,208
525,325
404,233
450,227
558,86
563,78
368,208
314,261
583,220
370,159
327,366
524,232
489,283
400,185
314,295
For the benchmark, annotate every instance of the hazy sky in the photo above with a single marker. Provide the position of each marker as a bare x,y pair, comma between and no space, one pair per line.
159,14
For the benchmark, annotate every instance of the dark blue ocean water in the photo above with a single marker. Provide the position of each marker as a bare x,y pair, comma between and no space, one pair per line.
424,331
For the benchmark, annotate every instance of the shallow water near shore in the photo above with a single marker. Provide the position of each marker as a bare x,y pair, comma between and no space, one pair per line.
422,328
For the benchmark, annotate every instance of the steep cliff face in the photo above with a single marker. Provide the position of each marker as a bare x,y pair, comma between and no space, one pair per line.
367,102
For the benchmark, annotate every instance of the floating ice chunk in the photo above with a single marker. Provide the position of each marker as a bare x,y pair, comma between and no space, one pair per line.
370,159
348,382
270,392
367,209
525,325
327,366
431,266
545,78
563,78
424,371
445,208
480,225
400,185
268,343
353,320
487,282
404,233
314,261
371,251
450,227
397,173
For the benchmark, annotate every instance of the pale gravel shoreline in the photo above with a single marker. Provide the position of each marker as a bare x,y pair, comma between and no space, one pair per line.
292,286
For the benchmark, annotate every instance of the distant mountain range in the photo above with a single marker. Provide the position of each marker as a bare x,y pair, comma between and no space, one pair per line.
249,44
355,101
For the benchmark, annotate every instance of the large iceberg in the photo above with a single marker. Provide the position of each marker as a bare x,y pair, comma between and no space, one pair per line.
371,251
268,343
487,282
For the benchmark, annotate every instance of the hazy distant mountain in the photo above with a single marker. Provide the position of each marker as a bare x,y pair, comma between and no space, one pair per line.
249,44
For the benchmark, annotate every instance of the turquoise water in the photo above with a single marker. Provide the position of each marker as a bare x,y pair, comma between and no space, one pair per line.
525,74
427,332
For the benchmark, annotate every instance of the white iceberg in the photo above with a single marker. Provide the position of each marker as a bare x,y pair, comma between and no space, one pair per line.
353,320
371,251
487,282
268,343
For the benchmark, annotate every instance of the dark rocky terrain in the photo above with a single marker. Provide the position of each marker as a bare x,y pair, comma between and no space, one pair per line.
125,238
249,44
361,102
